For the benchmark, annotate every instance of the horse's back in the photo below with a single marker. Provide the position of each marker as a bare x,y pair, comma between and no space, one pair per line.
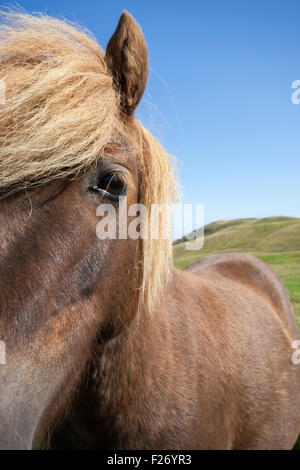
253,273
245,310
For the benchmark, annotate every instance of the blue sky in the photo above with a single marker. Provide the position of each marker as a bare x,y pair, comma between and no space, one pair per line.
218,95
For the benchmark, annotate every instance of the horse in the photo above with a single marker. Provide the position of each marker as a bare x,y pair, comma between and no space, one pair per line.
107,345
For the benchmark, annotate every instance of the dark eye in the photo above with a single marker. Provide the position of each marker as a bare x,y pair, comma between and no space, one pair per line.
110,185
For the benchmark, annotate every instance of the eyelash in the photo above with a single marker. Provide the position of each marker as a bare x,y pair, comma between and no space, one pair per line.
112,181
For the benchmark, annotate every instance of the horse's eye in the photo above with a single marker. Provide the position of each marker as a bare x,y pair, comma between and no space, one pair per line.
110,185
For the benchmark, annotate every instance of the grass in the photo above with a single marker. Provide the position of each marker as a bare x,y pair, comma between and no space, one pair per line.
287,266
274,240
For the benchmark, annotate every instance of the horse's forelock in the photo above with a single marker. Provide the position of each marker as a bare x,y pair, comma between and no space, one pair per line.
60,107
62,111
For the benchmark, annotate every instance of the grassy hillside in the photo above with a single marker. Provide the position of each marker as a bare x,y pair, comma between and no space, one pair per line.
275,240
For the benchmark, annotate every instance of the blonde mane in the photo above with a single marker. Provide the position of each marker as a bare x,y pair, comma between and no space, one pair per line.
62,111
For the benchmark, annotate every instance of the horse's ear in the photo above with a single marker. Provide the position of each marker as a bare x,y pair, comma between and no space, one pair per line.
127,58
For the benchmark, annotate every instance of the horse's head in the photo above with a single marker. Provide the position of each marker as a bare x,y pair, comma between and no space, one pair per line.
68,145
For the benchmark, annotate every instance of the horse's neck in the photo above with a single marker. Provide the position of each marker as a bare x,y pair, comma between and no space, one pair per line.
127,355
133,375
143,346
124,361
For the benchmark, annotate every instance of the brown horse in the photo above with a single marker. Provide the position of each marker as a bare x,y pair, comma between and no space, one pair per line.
108,347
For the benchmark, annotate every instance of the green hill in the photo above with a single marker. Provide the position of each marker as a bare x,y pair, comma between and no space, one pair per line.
275,240
274,234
